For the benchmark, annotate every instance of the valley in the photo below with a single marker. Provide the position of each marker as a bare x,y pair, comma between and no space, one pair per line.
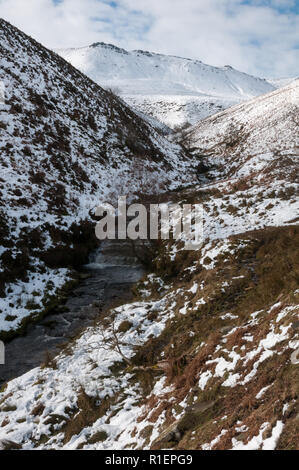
106,280
191,349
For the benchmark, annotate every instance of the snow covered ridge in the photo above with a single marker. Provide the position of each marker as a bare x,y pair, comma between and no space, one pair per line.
258,136
172,89
66,145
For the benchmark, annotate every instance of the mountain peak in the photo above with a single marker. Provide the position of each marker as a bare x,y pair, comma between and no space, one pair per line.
112,47
189,89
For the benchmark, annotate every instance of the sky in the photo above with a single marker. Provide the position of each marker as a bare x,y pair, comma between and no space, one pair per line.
260,37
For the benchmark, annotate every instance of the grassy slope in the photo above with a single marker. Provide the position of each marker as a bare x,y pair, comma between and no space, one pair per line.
261,274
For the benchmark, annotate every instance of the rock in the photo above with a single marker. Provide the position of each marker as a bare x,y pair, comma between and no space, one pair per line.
200,407
225,329
171,434
5,444
295,325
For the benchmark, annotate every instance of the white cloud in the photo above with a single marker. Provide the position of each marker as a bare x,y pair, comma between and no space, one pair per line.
258,37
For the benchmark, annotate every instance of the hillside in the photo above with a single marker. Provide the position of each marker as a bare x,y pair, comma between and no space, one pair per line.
212,336
260,136
66,145
171,89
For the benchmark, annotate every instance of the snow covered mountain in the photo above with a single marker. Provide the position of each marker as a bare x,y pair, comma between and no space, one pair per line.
212,336
172,89
66,145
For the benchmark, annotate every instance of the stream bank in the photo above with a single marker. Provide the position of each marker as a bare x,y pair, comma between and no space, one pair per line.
107,279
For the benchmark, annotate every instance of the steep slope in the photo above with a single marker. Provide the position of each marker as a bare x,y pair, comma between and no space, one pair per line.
213,334
66,145
172,89
260,133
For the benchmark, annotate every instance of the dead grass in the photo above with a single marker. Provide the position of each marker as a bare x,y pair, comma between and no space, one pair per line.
271,273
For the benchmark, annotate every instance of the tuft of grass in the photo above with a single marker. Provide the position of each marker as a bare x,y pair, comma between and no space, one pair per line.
99,436
125,326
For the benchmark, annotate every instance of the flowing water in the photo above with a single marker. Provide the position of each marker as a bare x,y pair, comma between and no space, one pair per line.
112,271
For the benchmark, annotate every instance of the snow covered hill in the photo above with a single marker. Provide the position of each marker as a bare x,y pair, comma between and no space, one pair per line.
212,336
172,89
281,82
253,136
66,145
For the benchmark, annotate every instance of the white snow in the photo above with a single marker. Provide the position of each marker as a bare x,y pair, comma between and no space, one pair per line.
270,443
214,441
258,442
171,89
262,392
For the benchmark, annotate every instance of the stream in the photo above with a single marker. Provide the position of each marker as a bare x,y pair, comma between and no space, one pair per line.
108,277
